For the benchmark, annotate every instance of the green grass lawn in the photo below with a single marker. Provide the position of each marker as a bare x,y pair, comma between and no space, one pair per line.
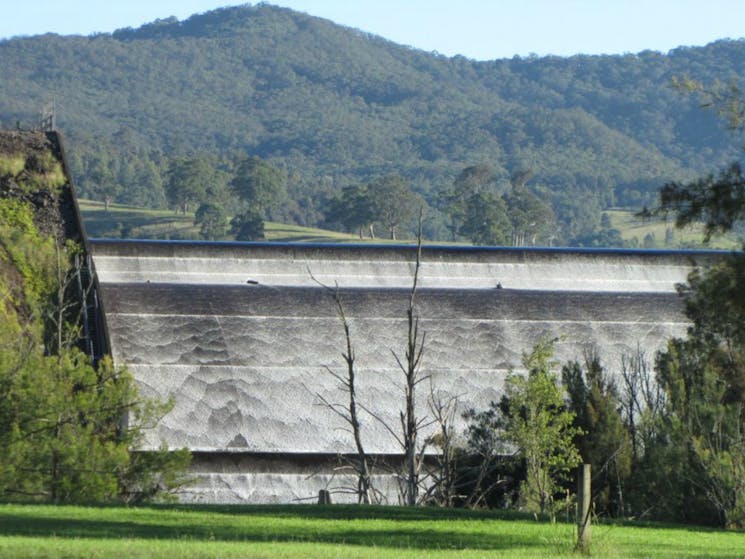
127,221
330,532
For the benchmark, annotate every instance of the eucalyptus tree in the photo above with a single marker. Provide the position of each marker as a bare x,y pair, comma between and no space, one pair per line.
392,202
259,184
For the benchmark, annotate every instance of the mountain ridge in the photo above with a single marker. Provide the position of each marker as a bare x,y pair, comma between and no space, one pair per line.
333,105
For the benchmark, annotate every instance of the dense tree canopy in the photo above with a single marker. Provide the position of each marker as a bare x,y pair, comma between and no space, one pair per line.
392,202
352,209
260,185
248,225
603,440
329,106
188,179
703,374
486,220
212,221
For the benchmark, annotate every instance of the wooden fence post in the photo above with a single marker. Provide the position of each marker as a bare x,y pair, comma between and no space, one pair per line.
584,499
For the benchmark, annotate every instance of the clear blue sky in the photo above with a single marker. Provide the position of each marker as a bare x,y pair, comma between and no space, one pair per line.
480,29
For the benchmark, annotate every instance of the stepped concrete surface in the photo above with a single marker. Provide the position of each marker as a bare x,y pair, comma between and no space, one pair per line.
240,336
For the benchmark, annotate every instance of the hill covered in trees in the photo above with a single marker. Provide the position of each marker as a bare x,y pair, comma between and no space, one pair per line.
331,107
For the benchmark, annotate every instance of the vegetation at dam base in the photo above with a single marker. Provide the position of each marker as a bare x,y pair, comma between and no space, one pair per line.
61,429
336,531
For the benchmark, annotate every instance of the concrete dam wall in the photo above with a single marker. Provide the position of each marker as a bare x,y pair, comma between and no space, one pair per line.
240,334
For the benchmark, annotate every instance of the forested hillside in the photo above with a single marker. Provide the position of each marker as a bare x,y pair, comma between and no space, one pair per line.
331,107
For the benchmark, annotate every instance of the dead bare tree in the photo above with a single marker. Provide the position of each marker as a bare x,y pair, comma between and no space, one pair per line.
410,366
441,483
409,477
410,423
348,412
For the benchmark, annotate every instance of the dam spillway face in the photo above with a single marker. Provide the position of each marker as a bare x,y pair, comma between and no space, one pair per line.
240,335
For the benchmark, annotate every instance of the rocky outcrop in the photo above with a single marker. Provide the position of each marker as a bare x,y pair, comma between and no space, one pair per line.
33,169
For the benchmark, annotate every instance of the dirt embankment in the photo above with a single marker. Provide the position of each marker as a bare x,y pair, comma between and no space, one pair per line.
32,169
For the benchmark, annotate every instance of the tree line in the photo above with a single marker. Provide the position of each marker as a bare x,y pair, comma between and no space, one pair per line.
232,197
663,434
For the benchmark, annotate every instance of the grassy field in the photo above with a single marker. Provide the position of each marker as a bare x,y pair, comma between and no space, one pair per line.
141,223
632,227
331,532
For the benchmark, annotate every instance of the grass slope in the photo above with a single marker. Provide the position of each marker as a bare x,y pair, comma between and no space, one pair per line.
632,227
330,532
122,221
141,223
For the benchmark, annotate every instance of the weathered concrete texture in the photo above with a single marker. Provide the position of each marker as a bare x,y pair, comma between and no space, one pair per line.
392,266
269,478
239,335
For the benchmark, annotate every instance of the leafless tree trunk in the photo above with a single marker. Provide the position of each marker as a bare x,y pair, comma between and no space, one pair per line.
442,486
349,413
410,424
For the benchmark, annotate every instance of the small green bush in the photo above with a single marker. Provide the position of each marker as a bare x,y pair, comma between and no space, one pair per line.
44,171
11,164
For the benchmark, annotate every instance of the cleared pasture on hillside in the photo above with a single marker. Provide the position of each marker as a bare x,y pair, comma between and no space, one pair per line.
631,226
130,222
122,221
